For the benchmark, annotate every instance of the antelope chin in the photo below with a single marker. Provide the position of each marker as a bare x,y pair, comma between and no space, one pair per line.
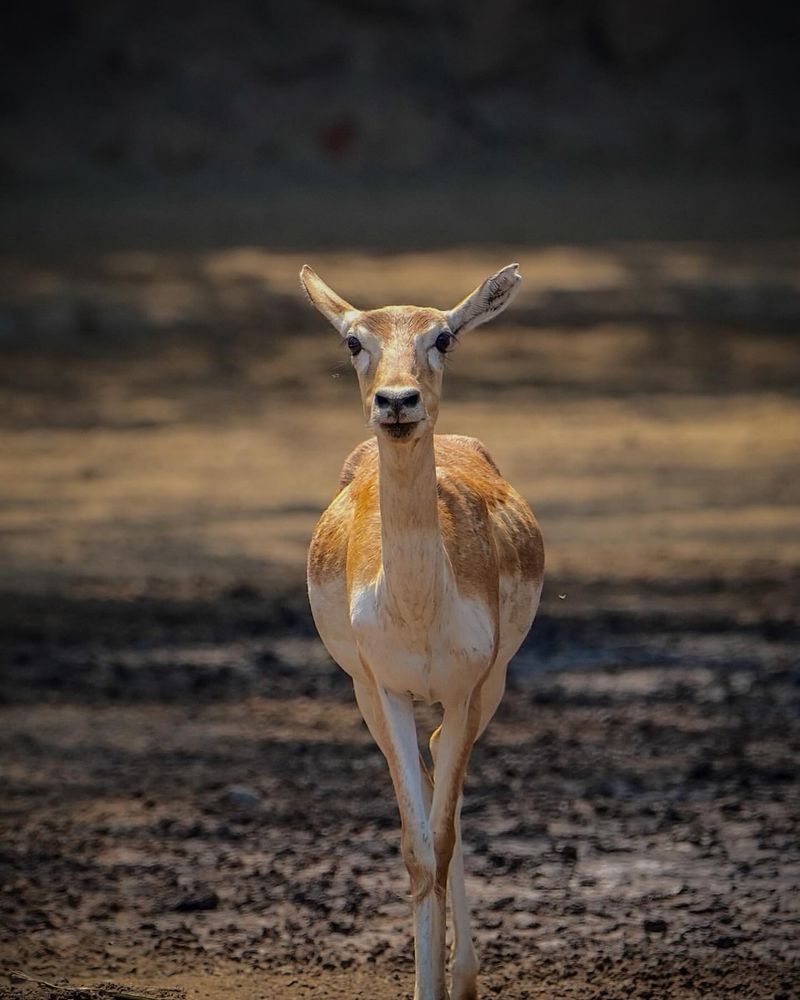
400,432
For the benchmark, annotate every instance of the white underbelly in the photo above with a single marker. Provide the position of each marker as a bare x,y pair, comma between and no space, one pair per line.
435,659
439,660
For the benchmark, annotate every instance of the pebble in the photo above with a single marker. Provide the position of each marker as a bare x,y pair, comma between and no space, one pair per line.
243,797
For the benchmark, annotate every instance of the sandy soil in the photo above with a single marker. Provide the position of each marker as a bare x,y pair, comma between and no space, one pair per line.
190,800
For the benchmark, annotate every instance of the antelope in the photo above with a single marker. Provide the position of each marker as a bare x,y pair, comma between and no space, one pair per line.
424,575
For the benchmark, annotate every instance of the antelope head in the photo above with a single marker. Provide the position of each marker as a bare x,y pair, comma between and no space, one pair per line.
399,352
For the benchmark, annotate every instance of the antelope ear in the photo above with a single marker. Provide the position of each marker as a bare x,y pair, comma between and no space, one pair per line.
487,301
334,308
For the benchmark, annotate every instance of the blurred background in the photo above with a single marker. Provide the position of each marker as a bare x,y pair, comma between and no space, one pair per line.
173,417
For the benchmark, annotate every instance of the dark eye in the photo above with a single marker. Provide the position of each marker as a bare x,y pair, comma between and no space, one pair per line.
354,344
443,342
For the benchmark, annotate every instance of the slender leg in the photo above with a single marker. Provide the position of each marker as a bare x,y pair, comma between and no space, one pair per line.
390,719
464,963
464,967
464,960
451,745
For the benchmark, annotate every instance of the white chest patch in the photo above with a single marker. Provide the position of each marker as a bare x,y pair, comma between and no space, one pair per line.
436,657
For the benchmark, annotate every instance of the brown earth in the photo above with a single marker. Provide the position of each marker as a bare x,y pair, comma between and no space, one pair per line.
190,800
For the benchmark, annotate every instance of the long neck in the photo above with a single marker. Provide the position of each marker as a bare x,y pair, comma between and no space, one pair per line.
411,544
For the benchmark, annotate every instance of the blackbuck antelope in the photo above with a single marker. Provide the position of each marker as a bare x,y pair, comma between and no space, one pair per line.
424,575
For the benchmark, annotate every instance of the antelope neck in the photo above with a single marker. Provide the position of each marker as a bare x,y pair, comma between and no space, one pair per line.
411,545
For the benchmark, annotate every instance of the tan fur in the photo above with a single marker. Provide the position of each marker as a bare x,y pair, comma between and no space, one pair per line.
487,528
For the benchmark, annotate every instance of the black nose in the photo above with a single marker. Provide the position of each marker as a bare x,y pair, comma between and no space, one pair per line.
395,400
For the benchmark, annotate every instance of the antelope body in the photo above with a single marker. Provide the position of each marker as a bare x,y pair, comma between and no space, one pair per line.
424,575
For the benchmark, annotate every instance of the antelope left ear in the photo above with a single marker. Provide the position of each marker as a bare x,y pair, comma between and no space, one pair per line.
487,301
332,306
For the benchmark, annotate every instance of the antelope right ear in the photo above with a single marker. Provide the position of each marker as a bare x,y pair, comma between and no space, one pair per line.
333,307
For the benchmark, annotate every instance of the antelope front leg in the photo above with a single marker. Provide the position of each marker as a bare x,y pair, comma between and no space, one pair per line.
464,961
451,746
390,718
464,964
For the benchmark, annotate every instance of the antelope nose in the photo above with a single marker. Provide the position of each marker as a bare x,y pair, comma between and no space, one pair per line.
396,399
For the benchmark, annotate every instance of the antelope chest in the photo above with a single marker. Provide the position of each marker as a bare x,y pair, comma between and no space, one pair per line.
434,650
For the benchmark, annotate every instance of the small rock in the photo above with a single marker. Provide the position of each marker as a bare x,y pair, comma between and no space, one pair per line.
243,797
655,926
201,900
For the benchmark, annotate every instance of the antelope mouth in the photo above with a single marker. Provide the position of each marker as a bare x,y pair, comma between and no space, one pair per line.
400,431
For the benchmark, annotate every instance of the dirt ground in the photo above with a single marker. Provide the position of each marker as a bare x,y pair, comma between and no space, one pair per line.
191,806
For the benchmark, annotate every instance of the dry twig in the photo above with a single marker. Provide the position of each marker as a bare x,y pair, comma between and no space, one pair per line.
108,991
